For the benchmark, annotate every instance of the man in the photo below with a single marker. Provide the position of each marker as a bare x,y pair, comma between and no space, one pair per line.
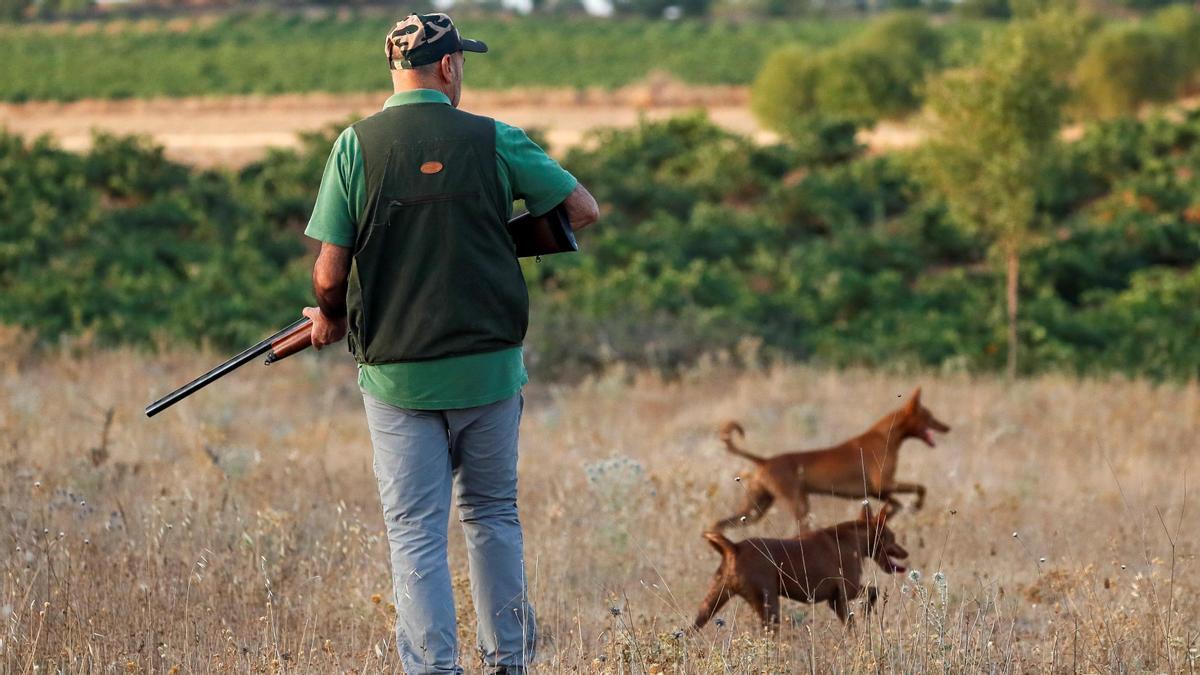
417,266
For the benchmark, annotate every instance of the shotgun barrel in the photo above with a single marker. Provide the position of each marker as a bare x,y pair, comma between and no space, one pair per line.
293,338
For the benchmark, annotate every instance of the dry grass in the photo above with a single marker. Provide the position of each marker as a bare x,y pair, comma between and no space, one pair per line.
241,531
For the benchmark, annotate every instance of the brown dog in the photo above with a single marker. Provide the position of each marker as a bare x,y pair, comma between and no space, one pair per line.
864,466
821,566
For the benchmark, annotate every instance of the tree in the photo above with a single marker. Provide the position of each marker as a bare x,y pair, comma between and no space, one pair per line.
997,126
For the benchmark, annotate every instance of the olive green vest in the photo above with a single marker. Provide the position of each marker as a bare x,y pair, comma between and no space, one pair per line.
435,273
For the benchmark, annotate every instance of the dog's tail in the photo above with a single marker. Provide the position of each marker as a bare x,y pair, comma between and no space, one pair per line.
721,543
731,445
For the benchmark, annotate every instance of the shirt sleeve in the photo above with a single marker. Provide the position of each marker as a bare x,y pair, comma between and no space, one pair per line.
342,195
532,174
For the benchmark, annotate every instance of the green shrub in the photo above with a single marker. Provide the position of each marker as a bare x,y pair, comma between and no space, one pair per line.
1182,24
1126,66
785,89
861,82
707,239
874,76
907,36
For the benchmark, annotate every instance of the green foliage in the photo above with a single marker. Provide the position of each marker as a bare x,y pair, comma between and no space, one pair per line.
707,239
875,75
1149,4
1182,25
1129,65
268,53
655,9
784,90
126,246
985,9
760,8
997,124
12,10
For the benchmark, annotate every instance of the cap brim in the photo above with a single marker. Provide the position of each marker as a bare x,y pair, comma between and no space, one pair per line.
474,46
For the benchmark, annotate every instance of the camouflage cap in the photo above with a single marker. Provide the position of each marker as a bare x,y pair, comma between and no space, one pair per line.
421,39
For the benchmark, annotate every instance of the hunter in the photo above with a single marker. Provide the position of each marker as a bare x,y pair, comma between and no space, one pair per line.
417,268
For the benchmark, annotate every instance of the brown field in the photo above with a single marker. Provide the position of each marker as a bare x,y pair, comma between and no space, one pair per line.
235,130
240,531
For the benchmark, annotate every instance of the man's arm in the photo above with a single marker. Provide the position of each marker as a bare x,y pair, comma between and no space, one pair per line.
539,180
582,209
330,275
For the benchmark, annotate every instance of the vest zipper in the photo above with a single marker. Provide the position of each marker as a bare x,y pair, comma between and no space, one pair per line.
429,199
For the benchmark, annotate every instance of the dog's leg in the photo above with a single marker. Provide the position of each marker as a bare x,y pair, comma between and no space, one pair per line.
754,505
845,591
902,487
839,604
718,595
798,504
766,605
872,596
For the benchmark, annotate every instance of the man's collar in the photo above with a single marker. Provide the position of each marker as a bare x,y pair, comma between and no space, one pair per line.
416,96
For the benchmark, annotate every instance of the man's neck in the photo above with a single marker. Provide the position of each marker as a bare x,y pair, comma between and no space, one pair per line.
401,84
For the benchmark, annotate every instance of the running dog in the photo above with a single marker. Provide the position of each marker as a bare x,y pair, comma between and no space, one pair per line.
821,566
864,466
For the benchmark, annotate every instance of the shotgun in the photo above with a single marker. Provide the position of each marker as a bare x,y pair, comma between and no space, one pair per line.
533,236
294,338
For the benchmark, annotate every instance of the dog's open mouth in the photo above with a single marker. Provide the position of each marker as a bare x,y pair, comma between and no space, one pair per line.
887,563
927,437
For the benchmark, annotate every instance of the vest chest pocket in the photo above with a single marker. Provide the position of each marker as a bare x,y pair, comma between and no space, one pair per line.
430,199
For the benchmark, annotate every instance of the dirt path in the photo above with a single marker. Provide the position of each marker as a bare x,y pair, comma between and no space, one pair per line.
236,130
232,131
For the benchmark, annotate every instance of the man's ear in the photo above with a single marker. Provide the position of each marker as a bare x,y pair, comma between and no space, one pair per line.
446,67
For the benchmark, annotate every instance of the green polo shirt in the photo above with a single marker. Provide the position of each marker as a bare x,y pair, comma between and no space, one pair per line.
526,172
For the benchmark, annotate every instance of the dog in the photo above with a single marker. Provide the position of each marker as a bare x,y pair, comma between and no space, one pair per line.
821,566
864,466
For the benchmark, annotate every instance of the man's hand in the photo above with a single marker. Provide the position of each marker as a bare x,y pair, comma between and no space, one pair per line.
325,331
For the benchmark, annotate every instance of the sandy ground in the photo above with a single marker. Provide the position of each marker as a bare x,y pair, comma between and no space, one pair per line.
235,130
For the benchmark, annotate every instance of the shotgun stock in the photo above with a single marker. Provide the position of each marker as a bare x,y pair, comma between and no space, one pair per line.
294,338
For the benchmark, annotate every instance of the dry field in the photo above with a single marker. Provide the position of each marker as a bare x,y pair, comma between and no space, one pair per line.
236,130
240,531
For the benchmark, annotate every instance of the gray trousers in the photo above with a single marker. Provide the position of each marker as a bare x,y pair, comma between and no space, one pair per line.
418,454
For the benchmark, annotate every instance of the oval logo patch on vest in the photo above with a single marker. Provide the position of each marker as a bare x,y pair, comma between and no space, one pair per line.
430,168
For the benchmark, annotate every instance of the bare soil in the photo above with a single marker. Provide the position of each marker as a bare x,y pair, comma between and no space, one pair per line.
235,130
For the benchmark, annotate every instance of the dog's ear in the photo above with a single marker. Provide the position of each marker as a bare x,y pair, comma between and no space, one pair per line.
914,401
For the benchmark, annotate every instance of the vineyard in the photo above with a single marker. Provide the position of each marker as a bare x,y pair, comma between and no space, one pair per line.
277,53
